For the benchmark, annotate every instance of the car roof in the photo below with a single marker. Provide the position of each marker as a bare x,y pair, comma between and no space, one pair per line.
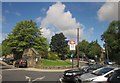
114,68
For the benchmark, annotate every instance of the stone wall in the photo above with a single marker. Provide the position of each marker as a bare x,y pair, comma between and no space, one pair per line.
54,67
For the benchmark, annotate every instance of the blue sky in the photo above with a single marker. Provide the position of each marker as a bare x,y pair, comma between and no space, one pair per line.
85,15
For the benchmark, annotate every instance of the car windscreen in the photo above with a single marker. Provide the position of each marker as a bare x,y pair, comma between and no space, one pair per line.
102,71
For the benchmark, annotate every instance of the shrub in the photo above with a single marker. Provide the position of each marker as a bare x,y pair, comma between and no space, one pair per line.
52,56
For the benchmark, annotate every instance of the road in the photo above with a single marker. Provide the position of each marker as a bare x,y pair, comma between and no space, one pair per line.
3,65
24,76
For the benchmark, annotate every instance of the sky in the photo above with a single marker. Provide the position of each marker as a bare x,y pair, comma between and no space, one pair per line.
92,18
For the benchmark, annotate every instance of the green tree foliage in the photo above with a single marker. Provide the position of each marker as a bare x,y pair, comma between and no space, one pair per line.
0,50
111,37
6,50
59,44
68,52
94,49
89,49
83,47
25,34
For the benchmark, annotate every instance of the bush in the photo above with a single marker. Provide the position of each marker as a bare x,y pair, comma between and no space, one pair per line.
52,56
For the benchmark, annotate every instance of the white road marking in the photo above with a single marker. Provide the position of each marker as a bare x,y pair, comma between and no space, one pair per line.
61,80
38,78
30,79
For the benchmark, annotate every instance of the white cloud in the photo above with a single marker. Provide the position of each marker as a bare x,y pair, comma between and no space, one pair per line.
3,20
43,10
87,33
63,21
47,33
91,30
112,0
38,20
72,33
3,36
17,13
109,11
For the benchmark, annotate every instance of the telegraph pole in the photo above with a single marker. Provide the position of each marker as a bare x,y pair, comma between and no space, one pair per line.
77,47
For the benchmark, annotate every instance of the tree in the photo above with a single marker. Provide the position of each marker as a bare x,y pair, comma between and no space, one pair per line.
94,49
83,47
89,49
59,44
25,35
0,50
6,50
111,37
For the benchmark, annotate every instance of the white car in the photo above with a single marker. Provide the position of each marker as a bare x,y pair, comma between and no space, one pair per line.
99,75
109,62
91,60
1,58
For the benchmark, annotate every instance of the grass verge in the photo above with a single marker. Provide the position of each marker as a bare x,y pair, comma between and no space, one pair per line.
46,62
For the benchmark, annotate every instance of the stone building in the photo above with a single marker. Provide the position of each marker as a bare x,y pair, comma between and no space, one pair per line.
102,57
32,56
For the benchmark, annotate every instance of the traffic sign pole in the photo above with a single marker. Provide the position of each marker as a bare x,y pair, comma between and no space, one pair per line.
72,47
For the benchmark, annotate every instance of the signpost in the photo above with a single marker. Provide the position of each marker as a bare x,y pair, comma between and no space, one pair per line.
72,47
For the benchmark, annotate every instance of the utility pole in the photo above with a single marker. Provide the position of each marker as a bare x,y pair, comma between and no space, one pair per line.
77,47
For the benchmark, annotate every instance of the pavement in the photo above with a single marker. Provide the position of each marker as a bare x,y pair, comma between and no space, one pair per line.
41,70
5,67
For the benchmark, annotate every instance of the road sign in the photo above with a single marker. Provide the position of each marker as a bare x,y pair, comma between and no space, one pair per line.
72,45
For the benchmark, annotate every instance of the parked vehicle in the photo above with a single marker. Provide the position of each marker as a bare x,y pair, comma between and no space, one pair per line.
85,58
71,75
1,58
91,60
99,75
92,67
115,77
5,66
9,61
108,62
21,63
